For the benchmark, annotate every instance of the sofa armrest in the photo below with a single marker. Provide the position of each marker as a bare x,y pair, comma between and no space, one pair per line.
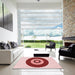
6,56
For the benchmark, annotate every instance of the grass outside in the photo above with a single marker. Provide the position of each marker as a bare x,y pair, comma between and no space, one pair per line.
39,44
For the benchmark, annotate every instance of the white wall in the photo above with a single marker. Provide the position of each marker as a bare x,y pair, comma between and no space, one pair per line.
6,35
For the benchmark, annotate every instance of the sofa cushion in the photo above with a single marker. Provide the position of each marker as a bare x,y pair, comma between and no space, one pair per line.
15,53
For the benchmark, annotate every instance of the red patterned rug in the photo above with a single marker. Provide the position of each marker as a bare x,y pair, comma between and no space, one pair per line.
37,62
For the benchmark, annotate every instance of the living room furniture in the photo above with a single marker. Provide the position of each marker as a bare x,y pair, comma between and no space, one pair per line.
68,52
51,45
41,53
7,56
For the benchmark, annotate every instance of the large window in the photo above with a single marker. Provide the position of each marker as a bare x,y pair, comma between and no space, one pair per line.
40,24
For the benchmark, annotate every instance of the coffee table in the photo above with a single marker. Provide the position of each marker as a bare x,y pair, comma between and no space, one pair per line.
41,53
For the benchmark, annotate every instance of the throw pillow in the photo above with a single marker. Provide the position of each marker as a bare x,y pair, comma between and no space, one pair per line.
3,45
9,46
13,44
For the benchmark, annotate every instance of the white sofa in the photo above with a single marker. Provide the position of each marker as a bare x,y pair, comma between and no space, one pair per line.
9,55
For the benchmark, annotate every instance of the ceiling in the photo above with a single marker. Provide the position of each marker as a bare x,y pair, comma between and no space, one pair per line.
51,1
42,4
34,4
